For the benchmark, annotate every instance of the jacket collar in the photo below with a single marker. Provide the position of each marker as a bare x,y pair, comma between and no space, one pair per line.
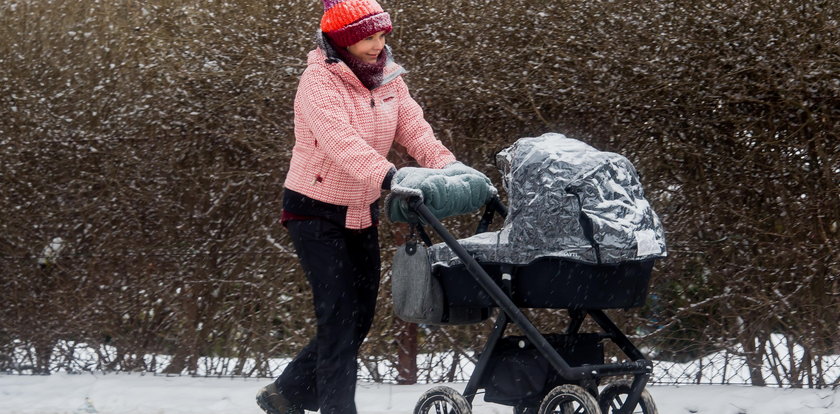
325,55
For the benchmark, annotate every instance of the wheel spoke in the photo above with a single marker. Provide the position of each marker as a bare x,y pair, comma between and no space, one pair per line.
564,407
442,400
569,399
614,397
617,402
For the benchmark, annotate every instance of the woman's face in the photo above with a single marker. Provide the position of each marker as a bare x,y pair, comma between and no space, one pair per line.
367,50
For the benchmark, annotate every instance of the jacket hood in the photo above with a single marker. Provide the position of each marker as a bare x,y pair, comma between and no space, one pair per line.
324,55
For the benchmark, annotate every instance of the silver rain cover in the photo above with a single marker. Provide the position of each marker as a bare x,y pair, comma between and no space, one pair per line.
567,200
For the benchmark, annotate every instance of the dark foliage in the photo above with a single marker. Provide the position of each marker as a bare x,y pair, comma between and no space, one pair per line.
152,138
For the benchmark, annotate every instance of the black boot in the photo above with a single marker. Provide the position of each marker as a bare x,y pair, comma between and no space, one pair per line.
273,402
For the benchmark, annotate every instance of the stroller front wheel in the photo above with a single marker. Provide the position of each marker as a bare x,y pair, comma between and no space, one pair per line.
442,400
569,399
613,396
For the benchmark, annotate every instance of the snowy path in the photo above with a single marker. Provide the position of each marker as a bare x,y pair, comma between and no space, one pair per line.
144,394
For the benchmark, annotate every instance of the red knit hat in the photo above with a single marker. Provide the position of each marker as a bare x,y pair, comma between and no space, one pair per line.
348,21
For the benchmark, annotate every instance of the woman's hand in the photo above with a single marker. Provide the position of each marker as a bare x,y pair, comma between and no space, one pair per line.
454,190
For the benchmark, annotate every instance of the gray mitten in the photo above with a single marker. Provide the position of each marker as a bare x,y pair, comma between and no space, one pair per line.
452,195
407,180
405,184
458,168
453,190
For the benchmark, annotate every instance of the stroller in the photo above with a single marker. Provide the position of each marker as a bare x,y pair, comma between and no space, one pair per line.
579,236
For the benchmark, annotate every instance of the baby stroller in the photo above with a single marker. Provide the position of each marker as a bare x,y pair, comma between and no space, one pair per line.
579,236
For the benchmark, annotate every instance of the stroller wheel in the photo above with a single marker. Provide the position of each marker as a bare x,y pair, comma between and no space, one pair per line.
613,396
569,399
442,400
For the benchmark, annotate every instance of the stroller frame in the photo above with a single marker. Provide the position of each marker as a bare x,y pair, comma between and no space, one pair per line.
639,366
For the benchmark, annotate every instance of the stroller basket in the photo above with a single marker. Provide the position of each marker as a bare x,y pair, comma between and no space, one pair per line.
517,374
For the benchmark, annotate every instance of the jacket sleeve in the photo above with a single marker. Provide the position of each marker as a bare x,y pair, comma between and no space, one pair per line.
416,135
322,106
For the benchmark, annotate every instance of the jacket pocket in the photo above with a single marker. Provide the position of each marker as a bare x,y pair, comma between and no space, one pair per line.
319,173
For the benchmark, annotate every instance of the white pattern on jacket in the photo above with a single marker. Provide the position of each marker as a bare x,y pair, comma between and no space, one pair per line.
343,132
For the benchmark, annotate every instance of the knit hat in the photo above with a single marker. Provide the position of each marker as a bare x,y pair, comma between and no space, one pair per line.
348,21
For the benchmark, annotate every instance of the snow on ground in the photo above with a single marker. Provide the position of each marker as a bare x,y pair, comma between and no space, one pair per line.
150,394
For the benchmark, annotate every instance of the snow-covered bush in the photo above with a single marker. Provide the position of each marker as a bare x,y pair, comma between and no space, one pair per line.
152,138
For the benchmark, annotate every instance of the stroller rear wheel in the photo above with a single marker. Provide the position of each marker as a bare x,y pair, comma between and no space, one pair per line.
569,399
613,396
442,400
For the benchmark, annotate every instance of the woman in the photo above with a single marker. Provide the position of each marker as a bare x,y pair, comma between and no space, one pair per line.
351,105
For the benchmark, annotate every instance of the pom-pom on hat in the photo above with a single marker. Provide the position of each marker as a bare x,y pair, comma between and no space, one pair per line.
346,22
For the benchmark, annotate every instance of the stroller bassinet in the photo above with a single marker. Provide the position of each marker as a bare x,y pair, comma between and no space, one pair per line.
578,235
552,282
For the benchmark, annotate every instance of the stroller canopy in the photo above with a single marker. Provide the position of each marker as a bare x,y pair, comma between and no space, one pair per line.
568,200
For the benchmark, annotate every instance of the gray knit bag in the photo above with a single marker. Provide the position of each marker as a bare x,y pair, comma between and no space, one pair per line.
418,296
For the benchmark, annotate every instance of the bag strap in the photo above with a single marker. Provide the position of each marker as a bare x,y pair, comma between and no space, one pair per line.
416,231
422,232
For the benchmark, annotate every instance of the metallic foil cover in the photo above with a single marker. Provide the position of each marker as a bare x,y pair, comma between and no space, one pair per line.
569,200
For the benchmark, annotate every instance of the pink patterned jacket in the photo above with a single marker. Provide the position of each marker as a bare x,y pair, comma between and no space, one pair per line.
343,132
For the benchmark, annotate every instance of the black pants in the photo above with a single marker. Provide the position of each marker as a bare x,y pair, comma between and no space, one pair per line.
343,268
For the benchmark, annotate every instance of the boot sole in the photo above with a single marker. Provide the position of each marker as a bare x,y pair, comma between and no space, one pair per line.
263,403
